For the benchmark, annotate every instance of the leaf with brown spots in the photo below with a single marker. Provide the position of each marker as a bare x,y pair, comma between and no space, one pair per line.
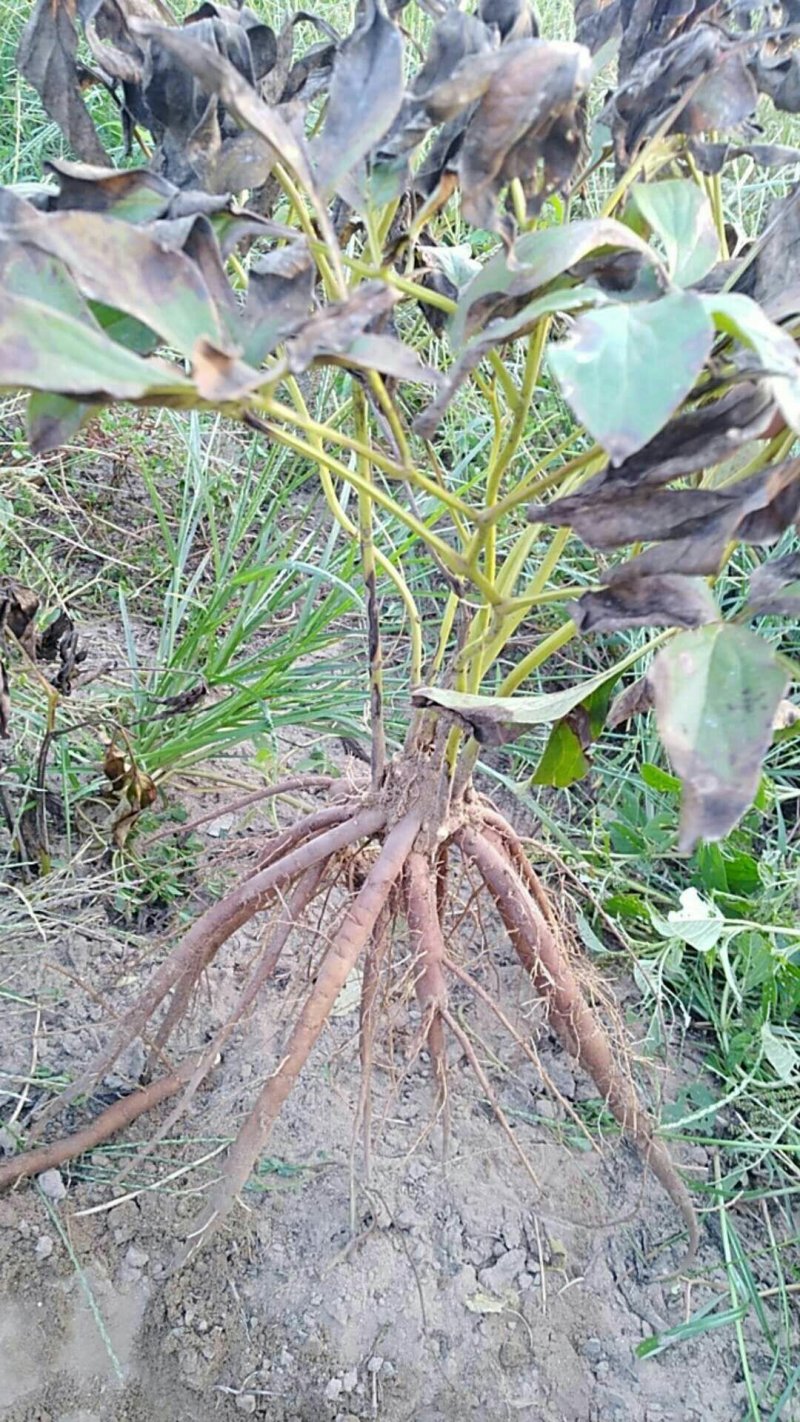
45,349
496,720
507,280
716,692
136,194
127,268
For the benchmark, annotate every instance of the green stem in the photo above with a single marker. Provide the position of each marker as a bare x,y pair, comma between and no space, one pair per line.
365,506
387,567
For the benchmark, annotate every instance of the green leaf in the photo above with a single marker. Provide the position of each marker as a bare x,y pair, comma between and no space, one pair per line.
659,779
716,690
125,330
679,212
626,906
742,873
626,368
781,1056
563,759
743,318
45,349
590,940
538,257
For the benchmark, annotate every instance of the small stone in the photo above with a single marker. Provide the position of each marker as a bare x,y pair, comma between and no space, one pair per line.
406,1220
246,1402
128,1068
349,1380
333,1391
547,1109
52,1185
136,1258
389,1370
512,1232
8,1141
602,1369
375,1364
124,1220
44,1246
592,1350
500,1277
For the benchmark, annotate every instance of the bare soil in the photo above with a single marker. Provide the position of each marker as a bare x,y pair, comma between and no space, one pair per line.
443,1290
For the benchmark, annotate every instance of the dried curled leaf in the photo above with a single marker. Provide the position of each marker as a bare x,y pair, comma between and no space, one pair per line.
775,587
668,600
524,126
366,91
47,58
695,439
635,700
18,608
496,720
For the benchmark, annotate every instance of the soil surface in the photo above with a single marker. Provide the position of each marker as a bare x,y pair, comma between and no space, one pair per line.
447,1288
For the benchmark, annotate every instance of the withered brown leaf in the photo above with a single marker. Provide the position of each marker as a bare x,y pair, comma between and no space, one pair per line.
524,126
47,58
668,600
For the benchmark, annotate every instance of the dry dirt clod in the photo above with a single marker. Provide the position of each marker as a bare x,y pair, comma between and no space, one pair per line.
51,1184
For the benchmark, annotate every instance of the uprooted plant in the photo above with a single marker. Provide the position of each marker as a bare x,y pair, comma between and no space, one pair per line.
673,350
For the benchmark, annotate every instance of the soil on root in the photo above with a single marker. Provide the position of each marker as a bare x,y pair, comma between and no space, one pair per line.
455,1290
399,840
456,1300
